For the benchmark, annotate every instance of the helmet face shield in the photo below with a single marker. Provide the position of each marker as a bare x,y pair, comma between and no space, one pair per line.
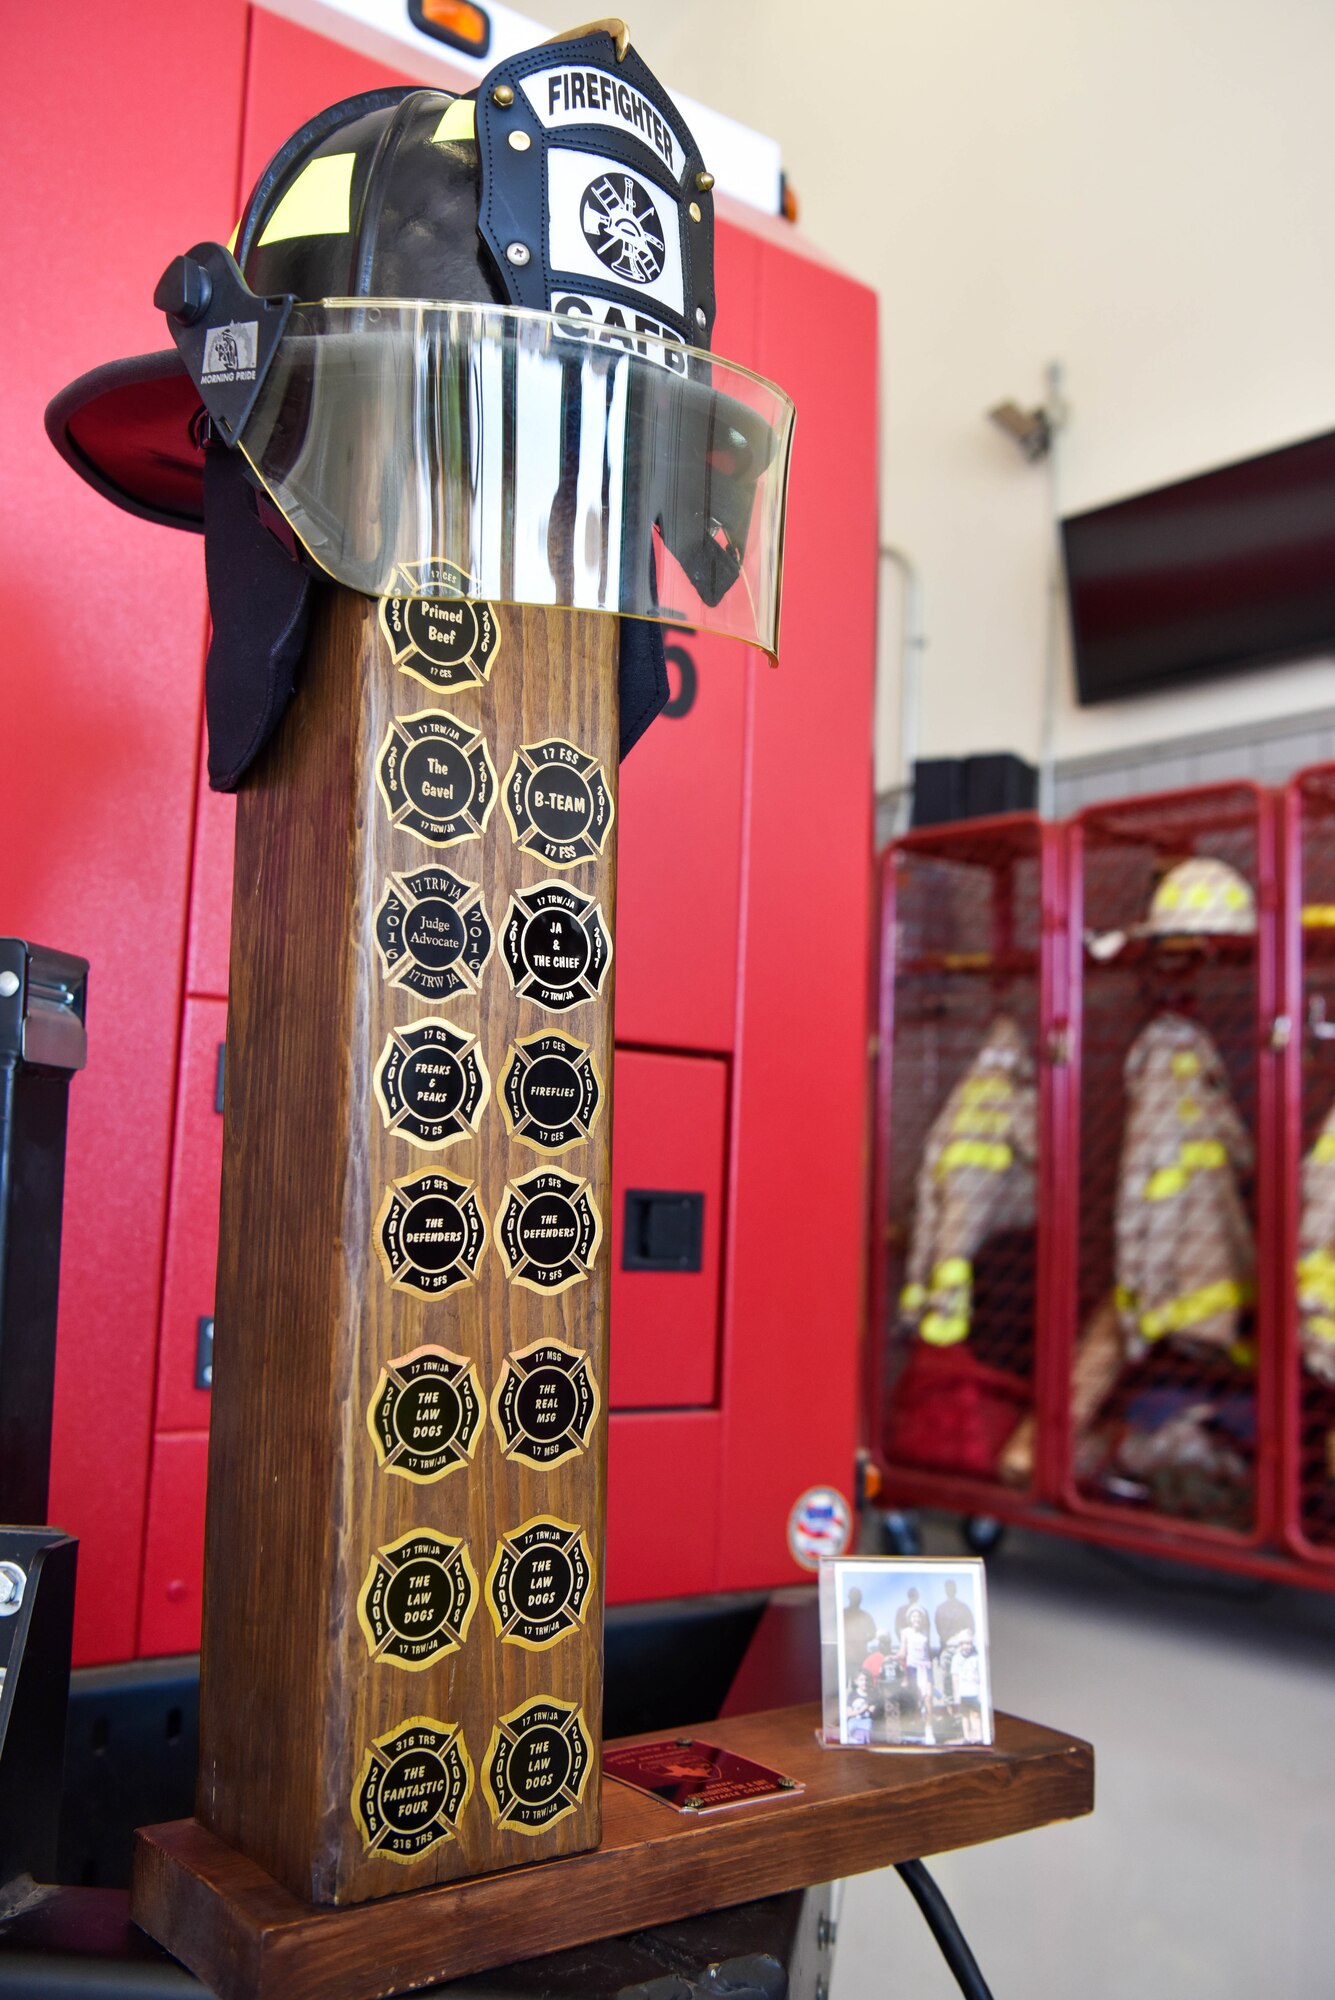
455,450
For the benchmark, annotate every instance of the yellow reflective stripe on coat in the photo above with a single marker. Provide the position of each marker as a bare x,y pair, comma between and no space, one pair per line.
1320,1327
1316,1277
950,1273
1193,1156
913,1298
981,1124
1324,1150
989,1154
986,1089
1178,1314
945,1329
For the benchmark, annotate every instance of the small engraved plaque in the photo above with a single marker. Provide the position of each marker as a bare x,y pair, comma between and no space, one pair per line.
436,777
430,1233
551,1092
538,1583
558,803
425,1414
555,946
545,1404
445,642
548,1230
695,1776
432,934
413,1786
431,1083
418,1600
538,1761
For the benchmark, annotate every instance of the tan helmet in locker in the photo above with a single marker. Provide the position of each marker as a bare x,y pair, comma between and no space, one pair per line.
1202,896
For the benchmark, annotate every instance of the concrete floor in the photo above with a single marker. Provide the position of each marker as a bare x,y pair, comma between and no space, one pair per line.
1207,1870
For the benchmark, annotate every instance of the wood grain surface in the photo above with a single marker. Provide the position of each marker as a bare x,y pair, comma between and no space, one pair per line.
249,1939
307,1317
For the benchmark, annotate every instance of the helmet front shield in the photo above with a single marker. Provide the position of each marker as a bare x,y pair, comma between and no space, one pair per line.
484,451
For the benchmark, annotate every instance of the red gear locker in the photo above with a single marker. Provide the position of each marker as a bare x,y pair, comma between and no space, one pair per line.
963,1265
1183,1434
1305,1267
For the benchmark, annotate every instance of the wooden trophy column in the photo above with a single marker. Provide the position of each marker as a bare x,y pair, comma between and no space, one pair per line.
402,1652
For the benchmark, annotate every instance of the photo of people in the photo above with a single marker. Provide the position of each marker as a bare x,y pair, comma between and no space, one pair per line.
910,1640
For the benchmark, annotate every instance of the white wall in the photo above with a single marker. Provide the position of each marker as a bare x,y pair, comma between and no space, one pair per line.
1144,189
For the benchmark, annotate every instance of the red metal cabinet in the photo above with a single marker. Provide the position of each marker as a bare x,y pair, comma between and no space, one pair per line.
174,1545
192,1229
671,1129
793,1301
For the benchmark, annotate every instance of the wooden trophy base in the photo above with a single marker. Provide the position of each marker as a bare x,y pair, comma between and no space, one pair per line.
249,1939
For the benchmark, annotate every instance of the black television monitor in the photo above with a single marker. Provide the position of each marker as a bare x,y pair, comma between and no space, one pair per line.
1232,569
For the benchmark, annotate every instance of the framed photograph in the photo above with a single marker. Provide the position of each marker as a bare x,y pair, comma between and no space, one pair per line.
904,1654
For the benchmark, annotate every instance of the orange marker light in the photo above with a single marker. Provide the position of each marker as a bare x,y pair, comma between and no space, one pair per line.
456,22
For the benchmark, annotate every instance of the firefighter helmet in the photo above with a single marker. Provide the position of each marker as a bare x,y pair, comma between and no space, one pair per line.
1203,896
458,347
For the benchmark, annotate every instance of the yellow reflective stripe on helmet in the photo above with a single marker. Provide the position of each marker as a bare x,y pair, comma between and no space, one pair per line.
945,1329
951,1271
457,122
1324,1150
318,203
989,1154
231,241
1204,1303
913,1298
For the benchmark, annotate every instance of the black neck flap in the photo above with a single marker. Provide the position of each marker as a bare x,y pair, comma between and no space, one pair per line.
595,200
260,602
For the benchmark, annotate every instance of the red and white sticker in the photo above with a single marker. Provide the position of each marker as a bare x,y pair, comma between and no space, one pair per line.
820,1525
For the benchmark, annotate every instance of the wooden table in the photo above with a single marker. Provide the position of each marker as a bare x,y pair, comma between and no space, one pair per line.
249,1939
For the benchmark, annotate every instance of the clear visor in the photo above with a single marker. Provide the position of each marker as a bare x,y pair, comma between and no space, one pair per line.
479,451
